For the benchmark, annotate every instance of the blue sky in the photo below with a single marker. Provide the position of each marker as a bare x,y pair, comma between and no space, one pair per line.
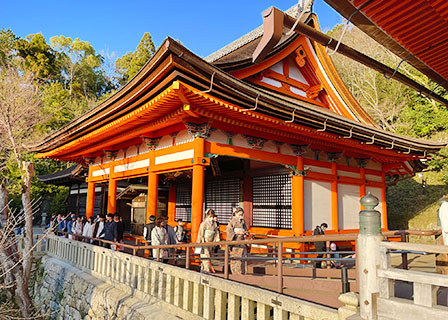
116,26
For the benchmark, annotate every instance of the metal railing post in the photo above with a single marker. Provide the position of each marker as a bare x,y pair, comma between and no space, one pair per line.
280,267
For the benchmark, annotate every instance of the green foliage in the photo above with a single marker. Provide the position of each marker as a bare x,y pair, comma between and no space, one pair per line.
130,64
39,57
7,45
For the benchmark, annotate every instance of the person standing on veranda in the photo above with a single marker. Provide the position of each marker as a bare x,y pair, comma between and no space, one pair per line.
159,236
208,232
236,231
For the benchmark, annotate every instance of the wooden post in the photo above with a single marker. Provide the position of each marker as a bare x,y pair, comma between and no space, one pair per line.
297,204
187,258
197,196
153,188
334,199
280,267
404,255
226,261
90,200
112,196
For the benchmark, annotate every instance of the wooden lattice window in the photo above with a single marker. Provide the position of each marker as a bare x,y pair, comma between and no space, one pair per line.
222,195
271,201
183,202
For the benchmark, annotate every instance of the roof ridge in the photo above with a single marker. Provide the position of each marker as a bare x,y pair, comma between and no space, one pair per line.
245,39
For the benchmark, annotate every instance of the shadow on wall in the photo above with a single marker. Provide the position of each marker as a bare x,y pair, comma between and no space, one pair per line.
412,205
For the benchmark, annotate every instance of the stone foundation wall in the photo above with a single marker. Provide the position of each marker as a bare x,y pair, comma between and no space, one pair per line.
64,292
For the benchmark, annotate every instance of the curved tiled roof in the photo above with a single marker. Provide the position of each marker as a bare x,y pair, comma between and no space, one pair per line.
246,39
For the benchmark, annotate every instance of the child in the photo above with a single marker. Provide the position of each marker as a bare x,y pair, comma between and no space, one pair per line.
334,263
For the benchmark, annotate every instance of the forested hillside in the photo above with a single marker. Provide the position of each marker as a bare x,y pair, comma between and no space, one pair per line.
64,78
397,108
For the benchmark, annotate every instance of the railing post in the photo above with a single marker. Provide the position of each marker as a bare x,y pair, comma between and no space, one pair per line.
187,257
280,267
344,279
368,254
404,255
226,261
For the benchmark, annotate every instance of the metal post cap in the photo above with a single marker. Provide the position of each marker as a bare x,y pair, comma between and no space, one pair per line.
369,201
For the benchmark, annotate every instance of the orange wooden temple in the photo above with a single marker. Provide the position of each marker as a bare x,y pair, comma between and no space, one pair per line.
283,138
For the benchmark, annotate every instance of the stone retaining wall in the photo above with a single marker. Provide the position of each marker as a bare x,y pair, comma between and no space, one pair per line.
65,292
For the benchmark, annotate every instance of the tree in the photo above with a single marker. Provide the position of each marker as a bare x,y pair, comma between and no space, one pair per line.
79,62
19,112
7,45
130,64
38,57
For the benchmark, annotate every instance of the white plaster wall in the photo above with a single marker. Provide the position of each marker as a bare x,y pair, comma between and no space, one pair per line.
218,136
295,74
348,206
269,146
349,174
131,151
272,82
320,169
165,142
298,91
317,204
278,67
120,155
373,177
143,148
373,165
240,141
377,193
286,149
183,137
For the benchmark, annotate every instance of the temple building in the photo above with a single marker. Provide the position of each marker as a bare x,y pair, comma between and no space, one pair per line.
282,137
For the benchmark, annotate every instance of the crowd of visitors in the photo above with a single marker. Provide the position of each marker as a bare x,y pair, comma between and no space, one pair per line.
159,232
87,229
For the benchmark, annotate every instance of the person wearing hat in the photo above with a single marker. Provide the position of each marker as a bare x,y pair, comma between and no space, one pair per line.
147,230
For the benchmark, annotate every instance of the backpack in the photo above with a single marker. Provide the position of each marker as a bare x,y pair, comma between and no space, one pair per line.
149,228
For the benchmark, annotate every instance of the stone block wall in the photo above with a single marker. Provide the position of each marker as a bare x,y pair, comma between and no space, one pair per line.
64,292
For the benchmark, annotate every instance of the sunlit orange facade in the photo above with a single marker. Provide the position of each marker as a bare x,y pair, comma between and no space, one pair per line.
283,138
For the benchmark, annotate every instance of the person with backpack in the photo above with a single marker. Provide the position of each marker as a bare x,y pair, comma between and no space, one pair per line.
320,246
147,231
181,233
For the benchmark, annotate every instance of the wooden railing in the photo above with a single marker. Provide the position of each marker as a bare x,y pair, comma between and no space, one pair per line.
425,286
199,295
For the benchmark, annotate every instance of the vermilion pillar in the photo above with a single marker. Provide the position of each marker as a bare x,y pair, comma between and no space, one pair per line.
334,199
197,196
90,199
172,204
362,190
112,196
383,200
153,192
298,211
